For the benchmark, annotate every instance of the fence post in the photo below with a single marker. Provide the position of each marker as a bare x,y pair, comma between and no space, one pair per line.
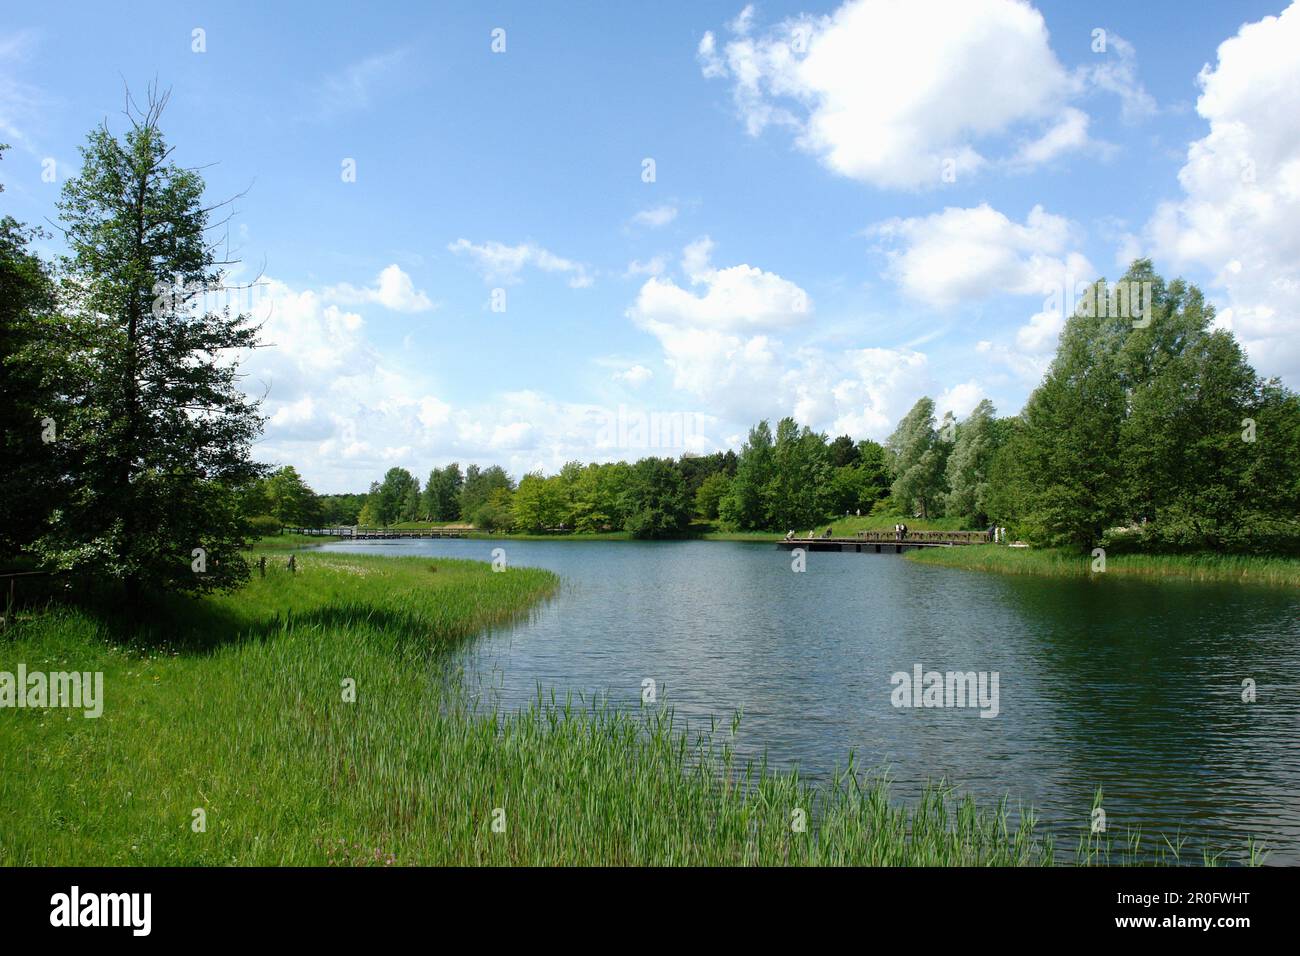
293,566
261,566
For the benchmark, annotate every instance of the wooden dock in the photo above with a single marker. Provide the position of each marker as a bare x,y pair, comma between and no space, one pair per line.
371,534
886,542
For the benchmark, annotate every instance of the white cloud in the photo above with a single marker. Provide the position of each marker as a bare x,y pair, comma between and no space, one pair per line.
1241,190
651,267
886,92
962,254
1117,74
634,375
738,297
499,262
393,289
718,338
960,399
353,86
1069,133
655,216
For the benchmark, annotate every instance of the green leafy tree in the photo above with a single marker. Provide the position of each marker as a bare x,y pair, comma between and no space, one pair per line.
289,499
710,494
969,463
31,486
656,502
745,505
158,433
442,493
917,460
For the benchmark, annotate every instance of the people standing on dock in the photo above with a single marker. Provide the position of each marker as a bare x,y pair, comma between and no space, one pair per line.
789,535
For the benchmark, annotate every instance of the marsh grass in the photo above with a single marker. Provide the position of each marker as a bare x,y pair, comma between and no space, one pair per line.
1246,569
234,704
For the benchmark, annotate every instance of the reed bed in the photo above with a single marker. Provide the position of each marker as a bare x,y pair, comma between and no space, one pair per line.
1246,569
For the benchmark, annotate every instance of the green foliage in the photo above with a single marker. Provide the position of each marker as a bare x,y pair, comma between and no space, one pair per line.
918,461
154,434
655,501
442,493
969,464
1145,424
30,485
261,526
710,494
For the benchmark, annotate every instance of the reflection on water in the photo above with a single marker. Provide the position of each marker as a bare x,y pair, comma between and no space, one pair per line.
1128,685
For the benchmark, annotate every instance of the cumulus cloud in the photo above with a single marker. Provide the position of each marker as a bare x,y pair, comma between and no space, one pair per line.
888,93
1241,190
498,262
393,289
962,254
719,337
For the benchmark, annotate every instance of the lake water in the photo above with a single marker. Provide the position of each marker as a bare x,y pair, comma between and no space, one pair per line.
1132,686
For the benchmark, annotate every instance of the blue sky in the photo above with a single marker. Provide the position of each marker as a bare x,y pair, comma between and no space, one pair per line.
852,205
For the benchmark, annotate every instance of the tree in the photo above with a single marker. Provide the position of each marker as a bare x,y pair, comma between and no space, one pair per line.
917,460
30,484
794,496
157,435
745,505
479,486
395,497
288,498
442,493
843,452
710,494
968,465
539,503
656,501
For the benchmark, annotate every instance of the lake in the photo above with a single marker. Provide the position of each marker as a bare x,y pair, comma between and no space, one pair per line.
1133,686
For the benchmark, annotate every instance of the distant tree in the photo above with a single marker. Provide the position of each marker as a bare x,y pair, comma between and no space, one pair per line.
656,501
795,494
158,433
538,503
969,463
843,452
442,493
917,460
710,493
289,499
479,486
497,512
393,500
745,505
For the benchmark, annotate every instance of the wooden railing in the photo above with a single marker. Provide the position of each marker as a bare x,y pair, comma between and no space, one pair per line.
955,537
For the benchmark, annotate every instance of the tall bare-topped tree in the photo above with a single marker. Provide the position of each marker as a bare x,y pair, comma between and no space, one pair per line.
158,432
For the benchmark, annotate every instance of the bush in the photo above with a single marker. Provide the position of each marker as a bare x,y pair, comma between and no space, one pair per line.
261,526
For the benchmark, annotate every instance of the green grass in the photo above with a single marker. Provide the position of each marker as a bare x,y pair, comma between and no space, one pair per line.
1061,563
290,542
233,704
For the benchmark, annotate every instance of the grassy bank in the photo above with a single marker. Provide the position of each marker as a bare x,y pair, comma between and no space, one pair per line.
1061,563
234,705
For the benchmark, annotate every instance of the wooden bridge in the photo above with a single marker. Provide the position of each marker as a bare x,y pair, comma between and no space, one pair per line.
886,542
367,534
